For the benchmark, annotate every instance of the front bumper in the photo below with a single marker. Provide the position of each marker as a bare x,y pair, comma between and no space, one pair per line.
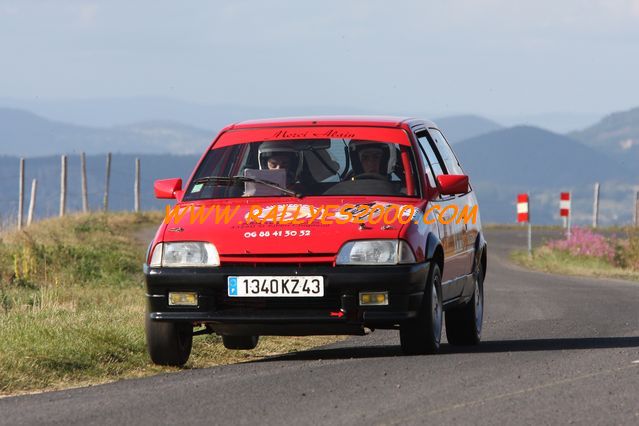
335,313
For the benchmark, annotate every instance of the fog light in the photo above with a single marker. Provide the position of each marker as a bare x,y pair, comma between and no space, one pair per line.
378,298
182,299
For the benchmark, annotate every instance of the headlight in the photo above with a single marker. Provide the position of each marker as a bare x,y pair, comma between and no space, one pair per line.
375,252
175,255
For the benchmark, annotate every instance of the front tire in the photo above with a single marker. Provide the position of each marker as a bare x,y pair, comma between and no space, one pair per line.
168,343
240,342
464,324
423,334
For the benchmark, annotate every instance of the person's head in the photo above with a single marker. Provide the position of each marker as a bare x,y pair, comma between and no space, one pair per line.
280,155
372,157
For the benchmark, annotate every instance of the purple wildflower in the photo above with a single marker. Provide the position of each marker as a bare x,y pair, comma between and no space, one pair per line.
584,242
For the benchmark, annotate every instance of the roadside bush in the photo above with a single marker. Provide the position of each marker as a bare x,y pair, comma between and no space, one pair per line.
627,251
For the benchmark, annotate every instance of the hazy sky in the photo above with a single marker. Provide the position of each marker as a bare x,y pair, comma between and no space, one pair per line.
494,57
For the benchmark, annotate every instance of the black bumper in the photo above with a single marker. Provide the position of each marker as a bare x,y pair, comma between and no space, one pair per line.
335,313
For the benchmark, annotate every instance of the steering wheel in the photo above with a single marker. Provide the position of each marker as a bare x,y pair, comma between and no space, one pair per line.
369,176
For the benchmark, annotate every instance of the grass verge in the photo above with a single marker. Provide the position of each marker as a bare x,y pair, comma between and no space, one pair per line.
561,262
72,307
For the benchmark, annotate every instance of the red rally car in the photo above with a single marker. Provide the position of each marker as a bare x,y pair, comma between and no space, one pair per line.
318,225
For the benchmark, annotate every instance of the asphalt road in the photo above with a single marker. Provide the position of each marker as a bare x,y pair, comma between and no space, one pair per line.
555,350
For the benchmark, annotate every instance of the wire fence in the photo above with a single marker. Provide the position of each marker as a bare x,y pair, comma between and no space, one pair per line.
129,187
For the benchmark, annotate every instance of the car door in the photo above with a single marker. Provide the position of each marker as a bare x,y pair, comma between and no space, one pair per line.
449,233
465,232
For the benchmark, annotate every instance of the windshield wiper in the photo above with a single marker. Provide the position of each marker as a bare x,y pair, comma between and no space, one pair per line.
232,180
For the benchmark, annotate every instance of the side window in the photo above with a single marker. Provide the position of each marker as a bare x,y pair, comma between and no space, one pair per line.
431,157
429,173
450,161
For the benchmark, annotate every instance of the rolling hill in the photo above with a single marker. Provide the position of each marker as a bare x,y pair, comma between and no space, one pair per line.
535,157
25,134
616,134
529,159
460,127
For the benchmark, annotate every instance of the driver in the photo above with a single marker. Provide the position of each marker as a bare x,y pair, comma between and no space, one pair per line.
281,155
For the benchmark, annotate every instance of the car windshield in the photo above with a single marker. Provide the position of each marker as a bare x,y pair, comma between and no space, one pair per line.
305,167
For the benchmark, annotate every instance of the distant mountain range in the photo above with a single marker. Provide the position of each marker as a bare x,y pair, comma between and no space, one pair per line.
557,122
529,159
536,158
109,112
123,111
25,134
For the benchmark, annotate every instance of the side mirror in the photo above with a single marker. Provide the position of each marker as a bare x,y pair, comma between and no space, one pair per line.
168,188
453,184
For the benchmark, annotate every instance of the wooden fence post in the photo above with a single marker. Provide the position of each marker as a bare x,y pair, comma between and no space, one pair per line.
595,207
569,225
106,183
63,185
85,194
32,200
136,186
21,194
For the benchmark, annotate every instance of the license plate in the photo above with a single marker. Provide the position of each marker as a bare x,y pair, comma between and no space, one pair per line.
263,286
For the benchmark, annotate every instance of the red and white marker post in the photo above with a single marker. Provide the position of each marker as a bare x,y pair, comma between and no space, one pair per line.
523,216
564,210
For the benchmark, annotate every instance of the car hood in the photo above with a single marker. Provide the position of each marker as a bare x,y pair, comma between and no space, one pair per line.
257,227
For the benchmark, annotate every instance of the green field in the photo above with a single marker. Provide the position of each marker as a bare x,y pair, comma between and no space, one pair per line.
72,306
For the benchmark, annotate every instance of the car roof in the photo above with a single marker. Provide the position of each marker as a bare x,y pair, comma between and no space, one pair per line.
330,120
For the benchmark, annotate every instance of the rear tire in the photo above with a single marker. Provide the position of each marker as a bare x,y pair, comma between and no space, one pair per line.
240,342
423,334
168,343
464,324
